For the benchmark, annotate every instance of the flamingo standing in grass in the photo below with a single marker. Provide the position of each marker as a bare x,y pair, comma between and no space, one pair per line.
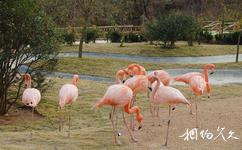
31,96
165,79
166,95
68,95
121,75
186,77
197,85
119,95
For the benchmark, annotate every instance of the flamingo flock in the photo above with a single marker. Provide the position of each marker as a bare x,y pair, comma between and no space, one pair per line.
131,81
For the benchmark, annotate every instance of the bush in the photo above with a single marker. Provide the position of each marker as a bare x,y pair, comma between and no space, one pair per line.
204,35
227,38
171,28
90,35
131,37
68,38
114,36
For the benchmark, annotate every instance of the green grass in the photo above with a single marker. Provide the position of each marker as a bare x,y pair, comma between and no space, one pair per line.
107,67
91,129
145,49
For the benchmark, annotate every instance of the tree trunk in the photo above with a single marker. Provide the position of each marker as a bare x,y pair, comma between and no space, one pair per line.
80,47
190,43
3,102
237,54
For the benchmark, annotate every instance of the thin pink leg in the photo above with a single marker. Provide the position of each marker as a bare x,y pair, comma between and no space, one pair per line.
168,125
130,133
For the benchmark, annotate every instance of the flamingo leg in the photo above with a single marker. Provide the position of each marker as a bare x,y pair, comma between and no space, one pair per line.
69,120
132,118
112,121
168,125
60,119
130,133
196,111
32,118
158,115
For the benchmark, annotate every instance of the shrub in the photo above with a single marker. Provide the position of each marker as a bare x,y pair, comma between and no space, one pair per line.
204,35
131,37
115,36
69,38
171,28
90,35
227,38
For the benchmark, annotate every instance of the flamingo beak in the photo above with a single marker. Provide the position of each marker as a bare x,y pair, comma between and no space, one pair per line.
131,76
150,89
139,127
123,81
211,73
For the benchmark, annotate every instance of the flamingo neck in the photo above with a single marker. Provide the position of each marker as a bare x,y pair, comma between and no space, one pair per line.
136,110
206,74
156,88
74,82
28,82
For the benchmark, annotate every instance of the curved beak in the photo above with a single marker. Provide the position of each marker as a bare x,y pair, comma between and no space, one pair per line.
150,89
211,73
139,127
123,81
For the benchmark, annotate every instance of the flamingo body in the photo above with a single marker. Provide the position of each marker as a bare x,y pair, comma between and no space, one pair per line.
197,84
138,83
31,97
164,76
68,94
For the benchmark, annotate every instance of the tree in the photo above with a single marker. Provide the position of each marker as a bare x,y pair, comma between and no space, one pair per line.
171,28
26,36
239,26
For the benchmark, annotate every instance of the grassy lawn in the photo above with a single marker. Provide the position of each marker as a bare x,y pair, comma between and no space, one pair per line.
145,49
107,67
91,129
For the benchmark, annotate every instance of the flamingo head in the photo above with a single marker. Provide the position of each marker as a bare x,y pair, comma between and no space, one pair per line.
140,119
75,78
211,67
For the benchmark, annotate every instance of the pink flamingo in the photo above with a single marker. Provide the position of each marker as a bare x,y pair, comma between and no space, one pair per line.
165,79
136,69
68,95
164,76
121,75
31,96
197,85
138,84
166,95
186,77
119,95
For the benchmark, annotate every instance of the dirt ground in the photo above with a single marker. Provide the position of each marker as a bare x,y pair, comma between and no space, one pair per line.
211,114
91,129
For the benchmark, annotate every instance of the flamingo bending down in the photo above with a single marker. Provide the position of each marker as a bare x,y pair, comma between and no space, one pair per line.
119,95
31,96
68,95
166,95
197,85
186,77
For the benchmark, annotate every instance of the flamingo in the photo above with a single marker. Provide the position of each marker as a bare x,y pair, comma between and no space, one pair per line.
186,77
31,96
166,95
197,85
121,75
68,95
119,95
165,79
136,69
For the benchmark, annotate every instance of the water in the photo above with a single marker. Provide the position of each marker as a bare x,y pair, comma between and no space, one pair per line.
220,77
170,60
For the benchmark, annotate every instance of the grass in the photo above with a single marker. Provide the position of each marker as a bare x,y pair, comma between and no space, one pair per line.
145,49
107,67
91,129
